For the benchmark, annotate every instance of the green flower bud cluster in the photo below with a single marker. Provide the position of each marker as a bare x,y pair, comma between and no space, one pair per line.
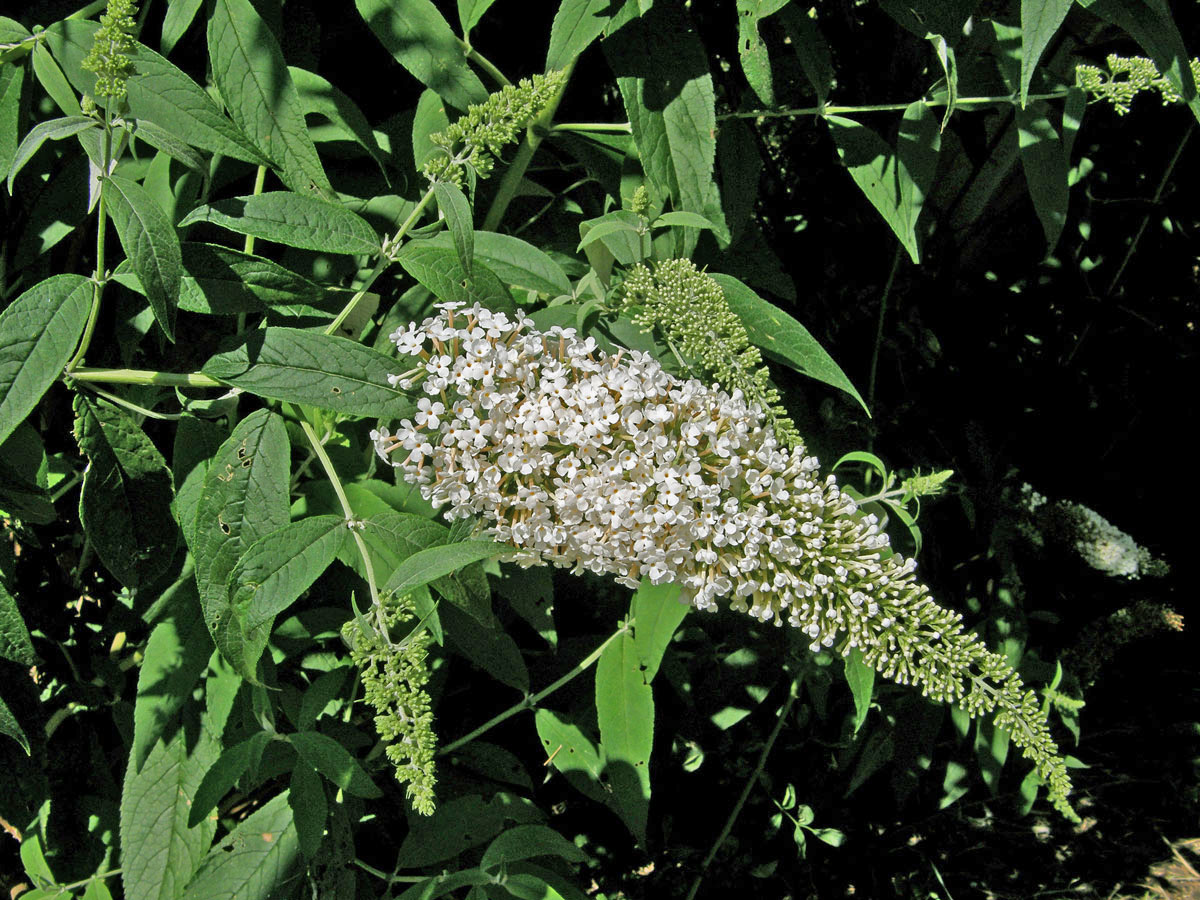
475,140
1128,76
394,678
1100,641
690,310
109,57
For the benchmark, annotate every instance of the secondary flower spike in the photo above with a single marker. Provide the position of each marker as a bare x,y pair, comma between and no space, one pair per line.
608,463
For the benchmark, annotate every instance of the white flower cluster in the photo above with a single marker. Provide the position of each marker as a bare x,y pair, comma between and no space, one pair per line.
610,464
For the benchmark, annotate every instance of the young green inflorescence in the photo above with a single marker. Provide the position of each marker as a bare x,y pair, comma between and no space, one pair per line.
394,678
109,58
475,140
607,463
691,311
1127,76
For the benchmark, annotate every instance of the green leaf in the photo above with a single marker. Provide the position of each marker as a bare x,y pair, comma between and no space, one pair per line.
54,82
176,20
253,79
756,63
97,890
491,650
125,503
658,611
435,263
470,12
196,443
310,808
159,92
415,33
662,72
861,679
244,498
223,281
15,643
12,728
12,79
428,118
811,50
325,688
945,54
896,182
521,264
570,751
150,242
602,229
223,774
318,369
319,96
169,143
462,823
159,850
526,842
12,31
782,337
434,562
456,210
258,860
334,761
295,220
625,714
682,219
1040,21
1046,168
175,657
23,478
38,334
51,130
270,577
576,25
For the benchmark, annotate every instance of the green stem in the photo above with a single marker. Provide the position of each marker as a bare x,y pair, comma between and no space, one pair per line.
750,782
99,276
391,879
886,107
533,700
883,304
383,262
99,876
534,134
332,475
591,127
484,63
133,407
142,376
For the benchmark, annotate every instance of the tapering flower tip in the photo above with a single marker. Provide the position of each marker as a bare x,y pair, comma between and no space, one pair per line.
610,464
108,58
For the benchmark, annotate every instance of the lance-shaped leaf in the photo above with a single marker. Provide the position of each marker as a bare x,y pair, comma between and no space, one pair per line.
12,79
310,807
436,264
861,679
15,643
244,498
223,774
295,220
270,577
258,860
527,841
781,337
319,96
175,657
625,714
896,182
150,242
460,824
125,503
223,281
752,49
456,210
662,71
307,367
159,92
1040,21
658,611
52,130
573,753
1046,169
334,761
431,564
11,727
253,78
421,40
576,25
38,334
521,264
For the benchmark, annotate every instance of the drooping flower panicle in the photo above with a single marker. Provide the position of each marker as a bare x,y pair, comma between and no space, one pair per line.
1128,76
608,463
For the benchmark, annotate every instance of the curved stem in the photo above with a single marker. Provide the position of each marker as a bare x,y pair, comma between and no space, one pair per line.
593,127
336,482
133,407
533,700
99,276
534,134
484,63
793,693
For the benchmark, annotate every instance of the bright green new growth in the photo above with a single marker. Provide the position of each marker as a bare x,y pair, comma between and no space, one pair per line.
1127,76
394,677
690,310
475,140
109,57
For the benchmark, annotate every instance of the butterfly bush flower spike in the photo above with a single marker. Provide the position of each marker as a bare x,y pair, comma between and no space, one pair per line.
609,464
